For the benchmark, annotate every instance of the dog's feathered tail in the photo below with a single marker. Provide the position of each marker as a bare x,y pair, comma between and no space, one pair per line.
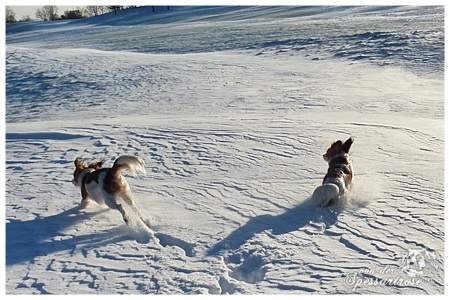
132,163
325,194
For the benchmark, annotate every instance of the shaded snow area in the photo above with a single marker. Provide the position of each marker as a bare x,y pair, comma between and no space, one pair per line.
231,108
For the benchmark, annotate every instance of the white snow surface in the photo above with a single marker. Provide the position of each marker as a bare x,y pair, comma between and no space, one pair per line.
231,109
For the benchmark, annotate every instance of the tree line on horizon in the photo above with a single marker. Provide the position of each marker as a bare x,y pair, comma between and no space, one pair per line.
50,12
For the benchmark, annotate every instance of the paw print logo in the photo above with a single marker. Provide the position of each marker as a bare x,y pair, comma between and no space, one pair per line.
416,262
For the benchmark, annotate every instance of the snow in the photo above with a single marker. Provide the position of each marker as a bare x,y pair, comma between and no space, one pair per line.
231,109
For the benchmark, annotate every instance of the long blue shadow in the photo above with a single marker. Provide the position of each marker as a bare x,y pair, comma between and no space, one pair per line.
26,240
291,220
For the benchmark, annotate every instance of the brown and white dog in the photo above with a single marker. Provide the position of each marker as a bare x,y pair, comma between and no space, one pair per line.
339,177
107,185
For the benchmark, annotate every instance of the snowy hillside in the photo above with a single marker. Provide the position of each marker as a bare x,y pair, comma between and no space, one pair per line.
231,108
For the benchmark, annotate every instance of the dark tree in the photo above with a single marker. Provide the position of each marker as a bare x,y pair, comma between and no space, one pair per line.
95,10
26,18
72,14
115,8
47,13
10,15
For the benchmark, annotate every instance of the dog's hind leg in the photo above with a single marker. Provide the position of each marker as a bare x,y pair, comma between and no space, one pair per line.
326,194
113,203
128,198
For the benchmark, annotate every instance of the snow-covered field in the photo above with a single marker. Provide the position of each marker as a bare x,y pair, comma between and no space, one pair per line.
231,109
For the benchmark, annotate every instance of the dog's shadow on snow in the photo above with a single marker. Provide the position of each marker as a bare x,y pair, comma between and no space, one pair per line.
292,219
26,240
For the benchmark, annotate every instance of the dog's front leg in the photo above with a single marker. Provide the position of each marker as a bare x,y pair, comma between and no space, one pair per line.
84,196
84,202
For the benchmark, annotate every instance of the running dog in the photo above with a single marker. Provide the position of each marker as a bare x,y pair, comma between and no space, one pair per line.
108,185
339,177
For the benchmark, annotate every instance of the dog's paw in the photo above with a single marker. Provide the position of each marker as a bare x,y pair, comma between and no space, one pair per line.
84,203
126,219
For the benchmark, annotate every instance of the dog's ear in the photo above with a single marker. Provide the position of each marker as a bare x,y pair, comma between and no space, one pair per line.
97,165
348,143
334,149
79,163
337,147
